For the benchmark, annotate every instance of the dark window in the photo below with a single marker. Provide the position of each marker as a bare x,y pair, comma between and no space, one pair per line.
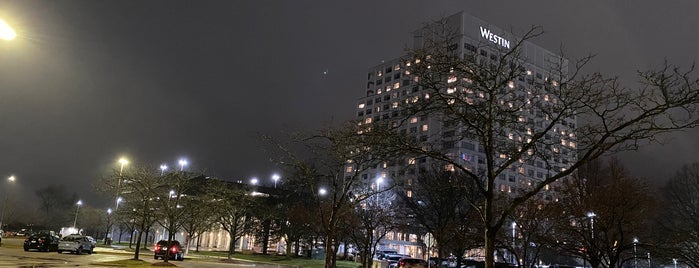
379,82
406,82
387,79
396,76
369,102
467,145
368,111
470,47
377,100
484,53
360,113
389,69
369,84
370,76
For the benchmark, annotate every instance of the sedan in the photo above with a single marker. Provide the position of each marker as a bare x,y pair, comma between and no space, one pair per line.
76,244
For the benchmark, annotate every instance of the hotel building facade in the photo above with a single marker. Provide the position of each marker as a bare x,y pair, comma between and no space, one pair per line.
390,87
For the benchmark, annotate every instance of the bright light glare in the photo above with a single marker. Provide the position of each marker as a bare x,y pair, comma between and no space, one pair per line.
6,31
80,202
11,178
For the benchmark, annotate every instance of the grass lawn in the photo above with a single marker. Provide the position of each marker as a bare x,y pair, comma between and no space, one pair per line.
280,260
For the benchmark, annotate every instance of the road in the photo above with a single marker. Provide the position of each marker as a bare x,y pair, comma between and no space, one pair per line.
13,255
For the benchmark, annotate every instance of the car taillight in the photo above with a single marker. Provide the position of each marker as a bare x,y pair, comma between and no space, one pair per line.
156,247
401,263
41,240
173,249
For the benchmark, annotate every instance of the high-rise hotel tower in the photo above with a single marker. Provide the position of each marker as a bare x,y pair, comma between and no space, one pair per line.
390,87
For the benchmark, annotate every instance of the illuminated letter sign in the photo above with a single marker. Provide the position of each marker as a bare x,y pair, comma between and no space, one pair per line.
485,33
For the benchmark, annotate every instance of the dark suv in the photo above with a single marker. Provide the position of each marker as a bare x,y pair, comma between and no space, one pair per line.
41,242
173,250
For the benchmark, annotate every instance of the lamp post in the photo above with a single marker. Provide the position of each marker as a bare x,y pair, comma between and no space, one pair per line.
379,181
77,208
635,262
322,191
182,163
254,181
109,226
163,167
514,225
275,178
6,32
592,216
122,162
11,179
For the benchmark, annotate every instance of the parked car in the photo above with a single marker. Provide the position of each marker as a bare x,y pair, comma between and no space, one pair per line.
92,241
393,259
411,263
41,242
173,250
75,243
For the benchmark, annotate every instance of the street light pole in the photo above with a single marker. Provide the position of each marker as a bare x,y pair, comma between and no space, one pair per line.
275,178
78,204
182,163
635,262
163,167
109,226
11,179
514,225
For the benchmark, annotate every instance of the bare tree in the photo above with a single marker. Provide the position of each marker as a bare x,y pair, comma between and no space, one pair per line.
680,220
440,202
603,213
496,102
232,210
328,167
140,187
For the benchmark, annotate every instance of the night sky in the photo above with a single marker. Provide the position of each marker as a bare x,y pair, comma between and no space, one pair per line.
86,82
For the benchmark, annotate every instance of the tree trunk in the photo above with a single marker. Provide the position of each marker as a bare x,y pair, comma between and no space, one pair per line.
265,236
489,246
231,245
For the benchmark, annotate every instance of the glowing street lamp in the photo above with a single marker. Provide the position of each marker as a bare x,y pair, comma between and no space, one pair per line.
254,181
109,225
11,179
6,32
275,178
592,216
77,207
163,167
122,162
635,263
322,191
182,163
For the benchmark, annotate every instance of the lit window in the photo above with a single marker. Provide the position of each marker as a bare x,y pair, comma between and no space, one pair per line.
450,90
349,169
511,84
417,61
361,106
511,136
379,91
546,97
503,156
572,144
413,120
379,74
384,165
396,67
396,85
449,167
367,120
416,79
407,72
427,96
409,193
529,72
394,105
564,142
451,79
425,128
411,161
521,170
